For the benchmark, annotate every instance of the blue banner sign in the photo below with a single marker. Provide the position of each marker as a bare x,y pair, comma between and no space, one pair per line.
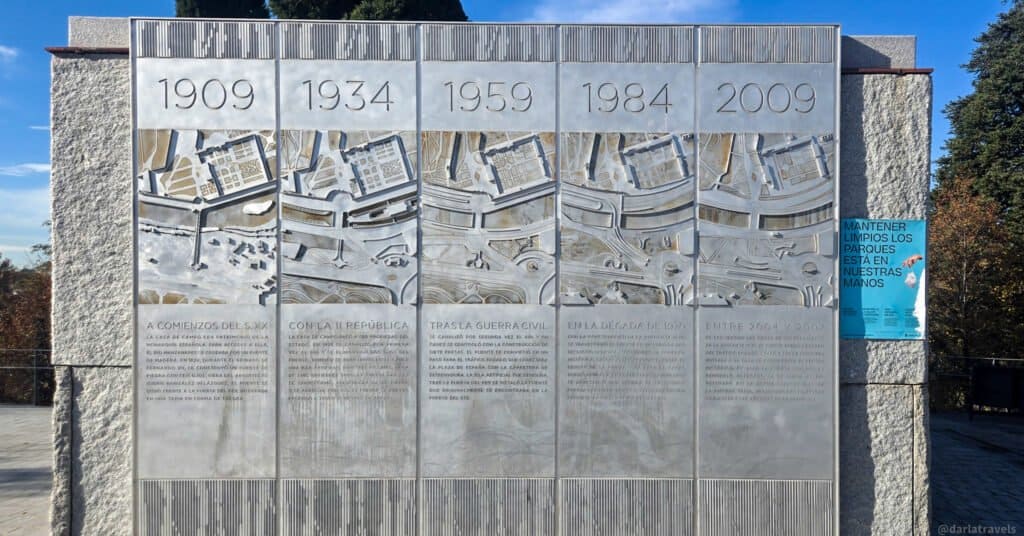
882,279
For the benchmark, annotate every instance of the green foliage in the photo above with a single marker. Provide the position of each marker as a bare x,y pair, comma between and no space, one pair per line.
312,9
221,9
987,142
447,10
976,274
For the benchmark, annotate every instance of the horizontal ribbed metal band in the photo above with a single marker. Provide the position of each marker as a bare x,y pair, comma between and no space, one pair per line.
204,39
767,44
758,507
212,507
348,41
507,42
627,44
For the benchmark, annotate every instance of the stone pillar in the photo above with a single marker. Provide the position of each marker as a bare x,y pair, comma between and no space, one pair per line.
886,131
885,155
91,189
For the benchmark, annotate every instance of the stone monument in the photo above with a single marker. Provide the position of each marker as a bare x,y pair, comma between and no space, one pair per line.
483,279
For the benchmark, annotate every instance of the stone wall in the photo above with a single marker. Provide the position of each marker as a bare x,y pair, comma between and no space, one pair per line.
885,142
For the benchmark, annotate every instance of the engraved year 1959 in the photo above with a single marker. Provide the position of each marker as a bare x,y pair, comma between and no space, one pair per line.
213,94
355,94
632,97
494,96
753,97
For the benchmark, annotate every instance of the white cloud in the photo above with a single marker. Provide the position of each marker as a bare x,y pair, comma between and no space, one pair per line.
8,53
636,11
21,170
39,127
21,222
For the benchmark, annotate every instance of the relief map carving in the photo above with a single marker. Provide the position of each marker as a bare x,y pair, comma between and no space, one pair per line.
766,219
627,221
348,217
488,217
207,216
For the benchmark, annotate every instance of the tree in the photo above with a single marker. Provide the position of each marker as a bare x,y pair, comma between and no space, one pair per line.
987,125
221,9
450,10
967,272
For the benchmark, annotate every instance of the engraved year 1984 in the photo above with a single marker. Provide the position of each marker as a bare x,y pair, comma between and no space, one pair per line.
631,97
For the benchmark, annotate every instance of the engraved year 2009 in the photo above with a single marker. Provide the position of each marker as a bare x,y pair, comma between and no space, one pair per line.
632,97
776,98
213,94
356,95
493,96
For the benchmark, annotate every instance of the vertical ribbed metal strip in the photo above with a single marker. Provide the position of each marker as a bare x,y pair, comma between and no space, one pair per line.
767,44
621,507
207,507
627,44
319,507
204,39
348,41
758,507
465,42
488,507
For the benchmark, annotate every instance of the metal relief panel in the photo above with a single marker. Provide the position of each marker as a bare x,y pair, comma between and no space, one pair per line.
192,39
205,94
623,507
213,507
626,44
347,391
768,44
489,42
625,391
626,79
627,218
767,219
321,507
349,252
488,507
765,385
766,209
487,391
205,391
755,507
487,345
348,41
627,171
206,227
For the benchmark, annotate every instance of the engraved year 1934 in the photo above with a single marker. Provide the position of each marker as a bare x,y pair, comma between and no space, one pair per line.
356,95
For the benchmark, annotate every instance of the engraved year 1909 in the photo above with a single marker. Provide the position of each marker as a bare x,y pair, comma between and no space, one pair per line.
213,94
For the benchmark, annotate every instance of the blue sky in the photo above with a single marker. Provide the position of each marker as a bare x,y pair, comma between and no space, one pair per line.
945,30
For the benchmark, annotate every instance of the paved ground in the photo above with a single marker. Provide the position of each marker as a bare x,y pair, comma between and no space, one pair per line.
25,470
977,474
